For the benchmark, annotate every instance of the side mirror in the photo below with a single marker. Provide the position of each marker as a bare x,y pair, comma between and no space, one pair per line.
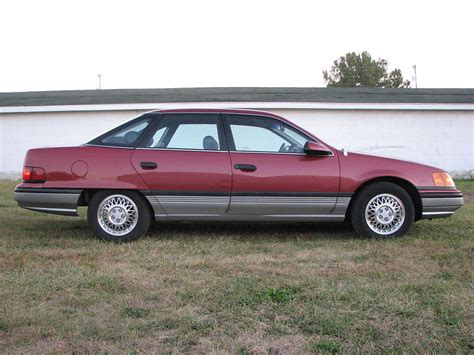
316,149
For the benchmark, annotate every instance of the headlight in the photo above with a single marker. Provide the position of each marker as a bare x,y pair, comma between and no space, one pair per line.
443,179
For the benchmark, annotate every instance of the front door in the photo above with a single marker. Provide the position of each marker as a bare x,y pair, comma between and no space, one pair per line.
186,165
271,174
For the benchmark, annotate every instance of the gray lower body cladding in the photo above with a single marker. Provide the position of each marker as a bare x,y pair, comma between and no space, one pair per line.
440,207
55,201
233,207
249,206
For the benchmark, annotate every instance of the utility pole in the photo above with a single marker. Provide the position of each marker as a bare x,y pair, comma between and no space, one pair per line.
100,81
416,81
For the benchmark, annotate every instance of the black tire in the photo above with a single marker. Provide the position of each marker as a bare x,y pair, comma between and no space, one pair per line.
137,228
380,189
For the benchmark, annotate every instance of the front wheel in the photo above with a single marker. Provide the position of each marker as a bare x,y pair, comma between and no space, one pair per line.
382,210
118,216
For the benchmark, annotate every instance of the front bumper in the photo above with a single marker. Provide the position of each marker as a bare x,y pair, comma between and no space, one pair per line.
439,204
55,201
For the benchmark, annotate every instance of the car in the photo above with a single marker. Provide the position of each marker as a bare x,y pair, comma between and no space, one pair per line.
228,165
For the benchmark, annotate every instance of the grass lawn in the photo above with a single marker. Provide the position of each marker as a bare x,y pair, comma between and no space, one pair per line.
239,288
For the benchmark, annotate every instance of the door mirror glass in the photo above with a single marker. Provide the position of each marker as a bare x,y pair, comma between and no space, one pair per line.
316,149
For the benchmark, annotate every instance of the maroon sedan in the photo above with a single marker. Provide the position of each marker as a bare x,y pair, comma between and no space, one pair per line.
228,165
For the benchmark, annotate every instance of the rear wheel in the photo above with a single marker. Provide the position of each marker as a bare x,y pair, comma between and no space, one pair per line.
118,216
382,210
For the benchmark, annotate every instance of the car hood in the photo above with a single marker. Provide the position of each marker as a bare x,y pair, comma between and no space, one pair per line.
357,168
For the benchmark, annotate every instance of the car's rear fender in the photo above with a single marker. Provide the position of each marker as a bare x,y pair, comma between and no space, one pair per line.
86,167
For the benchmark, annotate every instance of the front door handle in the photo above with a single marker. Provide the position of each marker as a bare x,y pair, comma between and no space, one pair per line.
245,167
148,165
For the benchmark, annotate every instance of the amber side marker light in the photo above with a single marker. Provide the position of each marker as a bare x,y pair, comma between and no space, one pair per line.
33,174
443,179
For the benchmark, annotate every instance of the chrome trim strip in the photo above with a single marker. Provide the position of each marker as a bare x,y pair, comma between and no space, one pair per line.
107,146
437,213
183,150
430,215
226,151
272,153
257,194
48,190
192,199
264,200
60,211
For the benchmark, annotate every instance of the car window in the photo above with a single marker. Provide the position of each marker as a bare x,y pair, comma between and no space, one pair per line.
126,135
156,139
187,131
193,136
262,134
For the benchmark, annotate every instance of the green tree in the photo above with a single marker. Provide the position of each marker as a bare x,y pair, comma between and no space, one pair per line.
360,70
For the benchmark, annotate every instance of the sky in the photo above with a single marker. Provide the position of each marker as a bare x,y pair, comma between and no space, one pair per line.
63,45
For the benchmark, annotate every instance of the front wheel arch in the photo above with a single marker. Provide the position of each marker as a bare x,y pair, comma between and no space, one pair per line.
382,210
404,184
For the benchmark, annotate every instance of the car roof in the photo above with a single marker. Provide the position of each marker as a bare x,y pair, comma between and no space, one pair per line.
239,112
216,110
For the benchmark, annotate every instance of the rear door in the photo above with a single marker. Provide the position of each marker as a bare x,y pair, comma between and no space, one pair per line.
185,163
272,176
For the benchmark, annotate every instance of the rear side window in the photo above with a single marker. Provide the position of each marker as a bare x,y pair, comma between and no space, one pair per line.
126,135
188,131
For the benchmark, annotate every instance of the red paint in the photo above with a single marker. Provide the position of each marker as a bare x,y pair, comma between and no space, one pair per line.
108,168
285,173
79,169
119,168
185,170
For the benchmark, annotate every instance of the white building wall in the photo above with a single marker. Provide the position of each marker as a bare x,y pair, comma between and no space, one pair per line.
439,138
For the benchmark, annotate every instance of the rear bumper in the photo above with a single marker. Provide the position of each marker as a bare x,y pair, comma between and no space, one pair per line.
439,204
55,201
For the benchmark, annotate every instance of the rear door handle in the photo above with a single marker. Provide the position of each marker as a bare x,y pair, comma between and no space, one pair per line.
245,167
148,165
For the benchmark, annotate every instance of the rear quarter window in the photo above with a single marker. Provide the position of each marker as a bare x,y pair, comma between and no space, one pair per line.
126,135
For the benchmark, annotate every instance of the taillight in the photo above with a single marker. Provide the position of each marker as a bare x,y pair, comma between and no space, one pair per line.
33,174
443,179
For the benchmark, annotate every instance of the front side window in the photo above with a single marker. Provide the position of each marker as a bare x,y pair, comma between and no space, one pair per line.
263,134
126,135
187,131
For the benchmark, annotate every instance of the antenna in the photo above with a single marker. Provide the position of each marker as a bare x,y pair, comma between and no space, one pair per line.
99,76
416,81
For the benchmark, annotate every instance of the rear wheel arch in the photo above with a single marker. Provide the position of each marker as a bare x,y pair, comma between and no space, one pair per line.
404,184
119,215
87,194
